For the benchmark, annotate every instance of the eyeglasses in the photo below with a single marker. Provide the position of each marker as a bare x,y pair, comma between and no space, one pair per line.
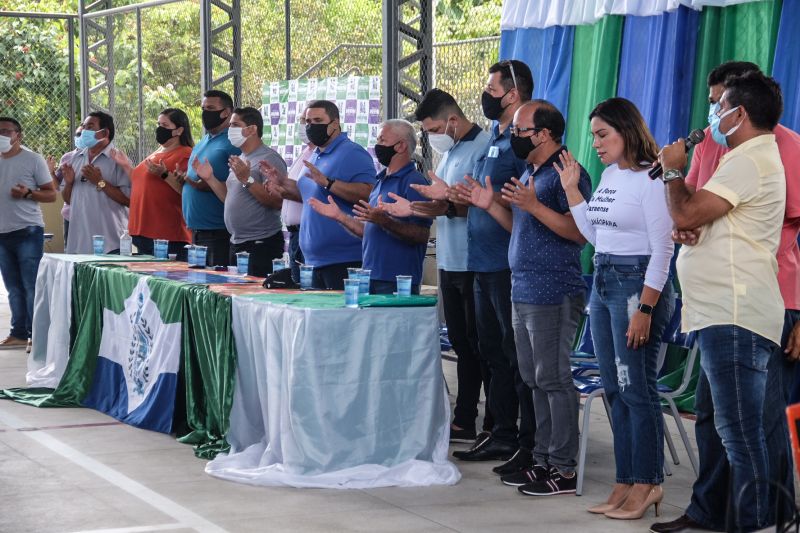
515,131
510,65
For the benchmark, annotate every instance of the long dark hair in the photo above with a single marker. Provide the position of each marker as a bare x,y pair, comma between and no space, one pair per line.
622,115
179,118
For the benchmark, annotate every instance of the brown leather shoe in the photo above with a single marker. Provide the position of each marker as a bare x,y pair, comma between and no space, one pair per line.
13,343
679,524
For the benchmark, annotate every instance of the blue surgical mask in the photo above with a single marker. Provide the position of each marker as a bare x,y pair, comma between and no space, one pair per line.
712,112
720,137
88,139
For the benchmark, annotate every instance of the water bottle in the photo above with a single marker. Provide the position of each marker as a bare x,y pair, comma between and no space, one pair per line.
125,243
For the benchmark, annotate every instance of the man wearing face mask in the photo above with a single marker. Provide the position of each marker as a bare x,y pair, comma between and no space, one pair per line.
96,186
339,168
510,85
461,142
548,291
24,182
391,246
252,214
708,502
731,294
202,209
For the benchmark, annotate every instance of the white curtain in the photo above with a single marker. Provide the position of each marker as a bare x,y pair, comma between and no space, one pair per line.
544,13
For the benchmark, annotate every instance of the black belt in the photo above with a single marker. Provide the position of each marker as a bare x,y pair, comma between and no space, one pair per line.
293,229
626,260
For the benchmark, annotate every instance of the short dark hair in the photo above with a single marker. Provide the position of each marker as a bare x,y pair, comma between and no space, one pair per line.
760,95
330,108
224,97
548,116
621,114
522,74
730,68
14,121
252,117
106,122
179,118
436,104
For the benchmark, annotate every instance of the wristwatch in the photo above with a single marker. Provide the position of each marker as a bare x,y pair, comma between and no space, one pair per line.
646,309
101,185
28,194
451,210
330,184
249,182
671,175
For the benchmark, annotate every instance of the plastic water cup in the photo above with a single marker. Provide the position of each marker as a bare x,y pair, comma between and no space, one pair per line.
233,270
353,273
98,244
404,285
363,277
278,264
242,262
160,247
173,257
306,276
200,255
191,252
351,292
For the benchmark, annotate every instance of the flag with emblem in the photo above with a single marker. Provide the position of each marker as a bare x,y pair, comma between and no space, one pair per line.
138,354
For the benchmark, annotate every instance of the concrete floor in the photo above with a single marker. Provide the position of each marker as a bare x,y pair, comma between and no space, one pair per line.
76,470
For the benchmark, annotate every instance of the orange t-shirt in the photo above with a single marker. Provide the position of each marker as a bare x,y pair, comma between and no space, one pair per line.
155,210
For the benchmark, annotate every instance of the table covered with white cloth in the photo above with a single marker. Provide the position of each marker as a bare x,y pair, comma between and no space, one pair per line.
341,398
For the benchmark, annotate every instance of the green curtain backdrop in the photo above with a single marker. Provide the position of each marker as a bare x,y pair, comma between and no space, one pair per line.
745,32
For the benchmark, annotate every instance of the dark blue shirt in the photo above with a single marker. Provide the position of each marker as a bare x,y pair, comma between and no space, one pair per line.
324,241
386,255
202,209
544,266
487,241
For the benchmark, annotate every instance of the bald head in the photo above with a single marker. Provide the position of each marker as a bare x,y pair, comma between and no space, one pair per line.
544,124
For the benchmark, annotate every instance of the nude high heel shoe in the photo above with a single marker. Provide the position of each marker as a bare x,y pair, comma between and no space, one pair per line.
603,508
655,497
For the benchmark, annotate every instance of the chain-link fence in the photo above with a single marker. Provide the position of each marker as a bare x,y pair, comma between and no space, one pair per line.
38,78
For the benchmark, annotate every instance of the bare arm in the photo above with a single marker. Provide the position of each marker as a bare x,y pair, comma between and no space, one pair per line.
206,173
690,211
45,194
524,197
332,211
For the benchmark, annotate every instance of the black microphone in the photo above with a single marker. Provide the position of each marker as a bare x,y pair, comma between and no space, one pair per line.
695,137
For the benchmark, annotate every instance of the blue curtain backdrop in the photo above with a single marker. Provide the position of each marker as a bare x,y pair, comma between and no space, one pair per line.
656,66
548,52
785,67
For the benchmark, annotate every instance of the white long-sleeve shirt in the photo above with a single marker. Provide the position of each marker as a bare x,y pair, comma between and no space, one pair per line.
628,215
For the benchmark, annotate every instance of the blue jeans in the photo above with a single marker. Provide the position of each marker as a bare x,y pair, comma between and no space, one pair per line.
20,253
711,492
629,376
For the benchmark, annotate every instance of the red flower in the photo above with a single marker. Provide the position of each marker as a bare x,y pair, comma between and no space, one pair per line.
18,75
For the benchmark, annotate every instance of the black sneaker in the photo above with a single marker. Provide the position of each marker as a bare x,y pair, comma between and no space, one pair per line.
529,475
522,460
462,435
556,483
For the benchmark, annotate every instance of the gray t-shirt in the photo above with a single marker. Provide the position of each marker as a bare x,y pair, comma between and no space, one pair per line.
245,218
29,169
93,212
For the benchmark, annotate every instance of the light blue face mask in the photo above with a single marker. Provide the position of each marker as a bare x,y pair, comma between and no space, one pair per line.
718,136
712,112
87,139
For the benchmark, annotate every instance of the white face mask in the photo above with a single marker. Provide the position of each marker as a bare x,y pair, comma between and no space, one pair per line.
441,142
5,144
303,134
235,136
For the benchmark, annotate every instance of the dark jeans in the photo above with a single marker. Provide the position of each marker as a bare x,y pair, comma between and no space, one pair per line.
332,276
379,286
145,246
295,254
66,232
711,491
218,242
458,303
508,394
262,252
629,376
20,253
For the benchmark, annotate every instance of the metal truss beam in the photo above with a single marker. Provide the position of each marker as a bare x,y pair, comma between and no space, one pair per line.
221,44
97,57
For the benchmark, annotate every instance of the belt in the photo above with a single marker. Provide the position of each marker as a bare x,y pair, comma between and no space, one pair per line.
293,228
628,260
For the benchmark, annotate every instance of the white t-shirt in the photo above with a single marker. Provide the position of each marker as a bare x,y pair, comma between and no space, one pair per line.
628,215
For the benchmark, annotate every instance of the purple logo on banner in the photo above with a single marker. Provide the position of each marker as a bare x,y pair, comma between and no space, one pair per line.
291,112
374,112
350,112
288,155
275,114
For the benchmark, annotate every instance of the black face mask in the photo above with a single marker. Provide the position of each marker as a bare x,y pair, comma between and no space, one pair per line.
318,133
385,153
492,106
522,146
212,119
163,135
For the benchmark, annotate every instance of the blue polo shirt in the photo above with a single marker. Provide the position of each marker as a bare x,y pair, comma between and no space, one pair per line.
487,241
202,210
324,241
544,266
386,255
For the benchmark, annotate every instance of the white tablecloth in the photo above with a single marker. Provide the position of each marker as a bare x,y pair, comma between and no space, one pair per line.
340,398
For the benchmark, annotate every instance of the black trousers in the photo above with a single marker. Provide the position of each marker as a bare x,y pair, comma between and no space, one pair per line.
262,252
332,276
218,242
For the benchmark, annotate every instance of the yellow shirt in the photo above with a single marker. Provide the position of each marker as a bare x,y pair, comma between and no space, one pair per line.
730,276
